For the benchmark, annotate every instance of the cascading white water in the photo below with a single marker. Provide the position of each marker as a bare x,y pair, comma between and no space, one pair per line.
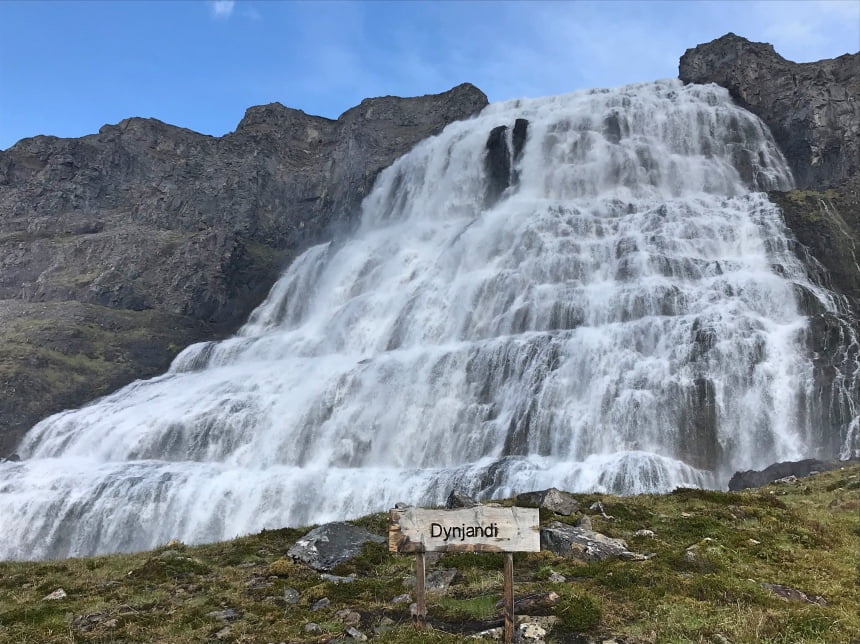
623,319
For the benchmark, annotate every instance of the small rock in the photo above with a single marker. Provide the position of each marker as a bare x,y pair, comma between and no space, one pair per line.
645,533
598,507
386,624
174,543
110,623
435,582
458,499
263,552
228,614
224,633
584,522
491,633
313,628
791,478
57,594
256,583
552,499
531,632
686,515
753,542
356,634
557,578
291,595
349,617
547,622
405,598
401,506
335,579
86,623
719,638
321,603
794,595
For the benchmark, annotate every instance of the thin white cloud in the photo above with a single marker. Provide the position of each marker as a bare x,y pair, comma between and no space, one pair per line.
223,9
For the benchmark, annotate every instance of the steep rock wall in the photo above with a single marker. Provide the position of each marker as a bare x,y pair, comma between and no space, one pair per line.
120,248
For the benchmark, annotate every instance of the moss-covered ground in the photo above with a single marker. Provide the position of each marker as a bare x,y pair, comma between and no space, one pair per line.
803,534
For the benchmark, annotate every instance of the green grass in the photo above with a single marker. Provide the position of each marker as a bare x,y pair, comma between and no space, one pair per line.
805,535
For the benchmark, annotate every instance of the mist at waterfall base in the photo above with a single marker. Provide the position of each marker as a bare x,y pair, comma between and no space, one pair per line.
622,317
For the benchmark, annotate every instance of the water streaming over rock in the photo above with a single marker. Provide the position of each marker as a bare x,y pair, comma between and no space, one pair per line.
583,291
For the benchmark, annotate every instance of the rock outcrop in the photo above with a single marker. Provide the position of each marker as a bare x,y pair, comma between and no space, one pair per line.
331,544
759,478
120,248
812,109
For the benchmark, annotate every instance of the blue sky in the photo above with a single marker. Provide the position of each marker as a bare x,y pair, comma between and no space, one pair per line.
67,68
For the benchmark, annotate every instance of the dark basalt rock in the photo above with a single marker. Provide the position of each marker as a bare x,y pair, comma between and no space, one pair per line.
501,158
331,544
759,478
120,248
458,499
521,128
812,109
497,164
553,499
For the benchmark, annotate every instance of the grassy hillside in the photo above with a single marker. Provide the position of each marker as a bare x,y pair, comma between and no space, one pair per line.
803,534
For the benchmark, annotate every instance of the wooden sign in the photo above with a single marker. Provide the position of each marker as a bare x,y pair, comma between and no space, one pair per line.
477,529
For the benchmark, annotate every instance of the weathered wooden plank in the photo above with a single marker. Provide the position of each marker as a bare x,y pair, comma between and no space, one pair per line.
420,618
508,598
477,529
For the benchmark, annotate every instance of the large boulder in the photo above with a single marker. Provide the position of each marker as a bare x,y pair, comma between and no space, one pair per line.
811,108
331,544
553,499
583,544
120,248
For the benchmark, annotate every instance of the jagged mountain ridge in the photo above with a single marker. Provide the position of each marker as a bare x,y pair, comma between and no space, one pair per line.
120,248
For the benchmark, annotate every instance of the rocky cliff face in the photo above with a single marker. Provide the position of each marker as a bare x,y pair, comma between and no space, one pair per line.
120,248
812,109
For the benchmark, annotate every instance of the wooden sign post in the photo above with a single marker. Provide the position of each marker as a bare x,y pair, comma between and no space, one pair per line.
478,529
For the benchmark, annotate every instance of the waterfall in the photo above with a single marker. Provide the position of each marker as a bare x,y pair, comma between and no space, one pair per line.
586,291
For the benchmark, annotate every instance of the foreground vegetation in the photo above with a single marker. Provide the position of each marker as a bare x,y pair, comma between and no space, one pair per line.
803,534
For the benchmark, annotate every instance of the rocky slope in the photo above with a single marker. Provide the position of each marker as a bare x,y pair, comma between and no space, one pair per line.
120,248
